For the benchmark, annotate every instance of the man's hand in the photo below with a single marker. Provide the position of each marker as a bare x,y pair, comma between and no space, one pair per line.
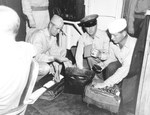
32,23
102,65
57,77
131,28
99,85
48,59
103,55
61,59
94,53
68,64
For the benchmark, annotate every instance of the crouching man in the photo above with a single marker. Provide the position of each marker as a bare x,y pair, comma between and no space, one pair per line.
121,51
49,54
93,41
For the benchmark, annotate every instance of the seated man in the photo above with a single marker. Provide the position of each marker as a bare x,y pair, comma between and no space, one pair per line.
122,47
15,60
91,43
49,54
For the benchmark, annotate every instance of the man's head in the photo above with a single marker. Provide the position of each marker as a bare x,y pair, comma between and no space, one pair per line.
89,23
56,25
9,21
117,30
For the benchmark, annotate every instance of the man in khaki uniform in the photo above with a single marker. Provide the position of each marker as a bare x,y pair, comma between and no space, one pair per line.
92,42
49,54
37,14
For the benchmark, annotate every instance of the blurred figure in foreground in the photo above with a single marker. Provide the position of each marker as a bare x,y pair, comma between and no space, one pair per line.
15,60
16,5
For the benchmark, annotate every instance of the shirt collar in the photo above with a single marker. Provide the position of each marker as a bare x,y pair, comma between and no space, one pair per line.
46,32
127,44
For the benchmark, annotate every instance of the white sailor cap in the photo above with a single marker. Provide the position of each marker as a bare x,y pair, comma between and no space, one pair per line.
57,20
117,25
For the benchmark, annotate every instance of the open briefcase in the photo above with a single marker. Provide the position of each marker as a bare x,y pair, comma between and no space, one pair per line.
53,91
76,79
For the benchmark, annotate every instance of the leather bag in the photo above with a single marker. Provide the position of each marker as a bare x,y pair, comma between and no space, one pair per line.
76,79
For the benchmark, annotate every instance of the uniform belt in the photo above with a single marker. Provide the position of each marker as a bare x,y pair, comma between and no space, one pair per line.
39,8
140,15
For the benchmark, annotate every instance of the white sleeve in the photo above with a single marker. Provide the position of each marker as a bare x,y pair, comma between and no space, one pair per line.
79,53
121,72
37,41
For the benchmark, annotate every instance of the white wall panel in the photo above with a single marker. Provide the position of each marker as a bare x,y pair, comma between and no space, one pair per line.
107,10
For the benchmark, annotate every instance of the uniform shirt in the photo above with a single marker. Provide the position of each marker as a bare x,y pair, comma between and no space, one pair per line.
45,45
124,56
15,63
100,42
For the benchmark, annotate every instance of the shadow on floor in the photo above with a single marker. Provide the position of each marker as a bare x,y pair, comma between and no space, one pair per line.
64,104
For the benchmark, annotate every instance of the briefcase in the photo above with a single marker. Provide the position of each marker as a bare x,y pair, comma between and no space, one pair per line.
53,91
106,98
76,79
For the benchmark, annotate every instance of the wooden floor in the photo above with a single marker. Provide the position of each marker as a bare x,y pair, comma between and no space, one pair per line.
64,104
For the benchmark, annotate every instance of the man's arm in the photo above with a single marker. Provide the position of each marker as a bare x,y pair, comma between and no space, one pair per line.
118,76
37,40
79,54
121,72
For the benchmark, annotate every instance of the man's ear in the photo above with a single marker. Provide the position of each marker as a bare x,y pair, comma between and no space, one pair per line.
124,33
